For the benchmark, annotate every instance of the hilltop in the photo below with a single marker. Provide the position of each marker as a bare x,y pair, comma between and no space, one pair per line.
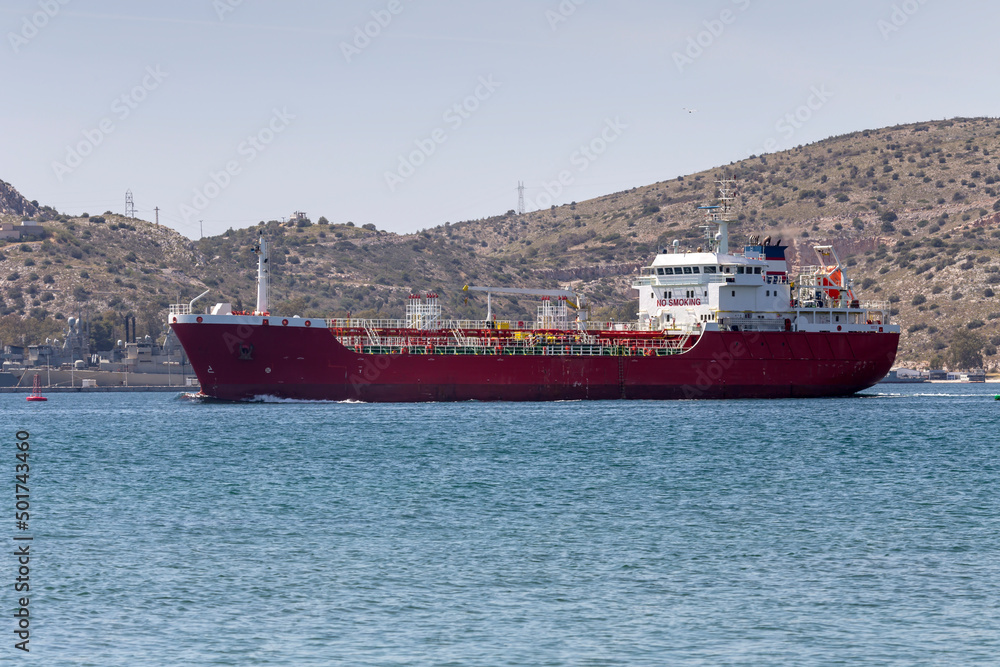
13,204
913,210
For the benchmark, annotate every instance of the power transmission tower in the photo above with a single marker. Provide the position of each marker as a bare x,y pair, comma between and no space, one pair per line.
129,205
520,198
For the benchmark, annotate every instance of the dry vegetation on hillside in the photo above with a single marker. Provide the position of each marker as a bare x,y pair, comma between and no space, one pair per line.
914,211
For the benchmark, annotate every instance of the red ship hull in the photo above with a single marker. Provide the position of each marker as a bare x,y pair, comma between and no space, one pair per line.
240,362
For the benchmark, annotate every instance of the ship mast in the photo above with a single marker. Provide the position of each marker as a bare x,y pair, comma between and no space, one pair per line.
721,214
263,274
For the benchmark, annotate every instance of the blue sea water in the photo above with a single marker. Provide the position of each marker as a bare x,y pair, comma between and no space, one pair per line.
859,531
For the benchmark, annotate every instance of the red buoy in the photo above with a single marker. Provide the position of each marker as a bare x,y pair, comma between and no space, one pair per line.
36,391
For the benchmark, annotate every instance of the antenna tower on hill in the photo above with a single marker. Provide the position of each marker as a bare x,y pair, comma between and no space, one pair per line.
129,205
520,198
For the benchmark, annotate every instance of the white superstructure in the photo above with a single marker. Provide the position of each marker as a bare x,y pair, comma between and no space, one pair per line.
699,291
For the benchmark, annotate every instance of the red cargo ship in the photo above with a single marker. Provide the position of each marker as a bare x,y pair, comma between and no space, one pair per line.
711,325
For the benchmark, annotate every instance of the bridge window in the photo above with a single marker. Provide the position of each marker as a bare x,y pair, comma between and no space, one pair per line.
659,272
739,270
696,269
756,270
668,271
709,269
687,270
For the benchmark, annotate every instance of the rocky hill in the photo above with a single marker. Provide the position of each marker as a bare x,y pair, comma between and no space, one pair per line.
13,204
913,210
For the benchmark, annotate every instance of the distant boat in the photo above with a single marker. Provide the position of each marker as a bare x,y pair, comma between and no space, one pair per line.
895,378
36,391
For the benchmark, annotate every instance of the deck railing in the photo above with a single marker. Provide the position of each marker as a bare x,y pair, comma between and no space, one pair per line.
481,325
842,304
688,279
751,324
639,348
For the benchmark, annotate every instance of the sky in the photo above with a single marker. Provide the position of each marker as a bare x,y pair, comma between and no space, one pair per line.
412,113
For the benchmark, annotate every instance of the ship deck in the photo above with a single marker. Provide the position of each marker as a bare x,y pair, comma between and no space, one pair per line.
497,338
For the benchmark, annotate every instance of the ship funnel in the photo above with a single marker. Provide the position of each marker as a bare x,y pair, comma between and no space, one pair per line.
263,274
